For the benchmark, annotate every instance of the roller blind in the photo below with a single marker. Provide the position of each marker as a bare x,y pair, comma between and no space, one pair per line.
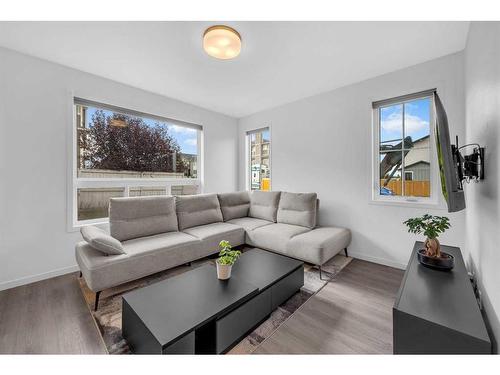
403,98
130,112
255,131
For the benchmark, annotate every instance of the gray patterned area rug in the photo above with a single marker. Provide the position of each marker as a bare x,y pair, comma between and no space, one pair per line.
109,315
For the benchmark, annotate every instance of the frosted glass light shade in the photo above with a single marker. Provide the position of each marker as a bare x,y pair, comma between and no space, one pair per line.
222,42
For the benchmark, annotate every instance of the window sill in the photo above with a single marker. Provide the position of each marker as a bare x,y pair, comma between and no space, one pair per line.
408,204
77,226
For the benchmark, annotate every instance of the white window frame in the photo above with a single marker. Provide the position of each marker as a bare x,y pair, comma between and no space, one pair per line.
433,200
248,156
125,183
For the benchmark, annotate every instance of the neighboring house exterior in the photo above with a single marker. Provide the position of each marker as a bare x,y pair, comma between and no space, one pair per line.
260,150
417,161
260,172
191,160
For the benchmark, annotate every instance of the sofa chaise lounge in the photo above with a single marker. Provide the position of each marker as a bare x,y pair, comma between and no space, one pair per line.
151,234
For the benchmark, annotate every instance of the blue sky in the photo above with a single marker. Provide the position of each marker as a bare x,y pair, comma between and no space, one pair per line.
265,135
417,119
186,137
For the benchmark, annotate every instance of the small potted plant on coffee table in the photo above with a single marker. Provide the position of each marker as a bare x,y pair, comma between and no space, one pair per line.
431,227
227,257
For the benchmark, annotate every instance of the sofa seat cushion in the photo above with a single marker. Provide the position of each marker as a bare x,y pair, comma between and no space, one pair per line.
234,205
319,245
143,257
274,237
195,210
135,217
211,234
264,205
249,223
297,209
141,246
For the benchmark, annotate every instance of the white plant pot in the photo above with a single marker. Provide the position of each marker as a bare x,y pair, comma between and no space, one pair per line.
223,271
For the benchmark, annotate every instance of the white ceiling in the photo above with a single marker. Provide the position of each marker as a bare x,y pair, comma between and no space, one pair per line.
280,61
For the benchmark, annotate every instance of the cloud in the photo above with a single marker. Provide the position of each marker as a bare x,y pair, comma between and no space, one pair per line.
182,130
392,124
190,142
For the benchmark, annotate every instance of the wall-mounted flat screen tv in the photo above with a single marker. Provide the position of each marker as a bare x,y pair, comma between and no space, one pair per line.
449,161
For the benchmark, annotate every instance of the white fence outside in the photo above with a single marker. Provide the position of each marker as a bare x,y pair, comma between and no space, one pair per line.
93,202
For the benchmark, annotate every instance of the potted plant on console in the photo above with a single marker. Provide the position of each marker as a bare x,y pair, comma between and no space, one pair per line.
431,227
227,257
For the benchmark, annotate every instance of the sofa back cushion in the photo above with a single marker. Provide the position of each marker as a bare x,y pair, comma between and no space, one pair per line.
264,205
298,209
234,205
136,217
195,210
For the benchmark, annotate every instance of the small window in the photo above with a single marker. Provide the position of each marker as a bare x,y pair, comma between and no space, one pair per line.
403,148
259,165
120,153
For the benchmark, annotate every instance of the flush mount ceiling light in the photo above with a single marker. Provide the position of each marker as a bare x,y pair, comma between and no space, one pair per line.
222,42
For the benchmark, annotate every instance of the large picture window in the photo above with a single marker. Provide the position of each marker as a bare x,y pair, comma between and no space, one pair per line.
404,148
259,159
126,153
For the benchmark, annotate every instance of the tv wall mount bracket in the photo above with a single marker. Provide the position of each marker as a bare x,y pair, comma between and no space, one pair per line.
470,166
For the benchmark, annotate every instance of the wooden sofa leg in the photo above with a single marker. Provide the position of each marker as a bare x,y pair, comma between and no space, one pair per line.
96,304
345,251
80,275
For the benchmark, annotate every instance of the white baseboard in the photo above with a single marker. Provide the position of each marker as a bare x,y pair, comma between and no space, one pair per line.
384,262
41,276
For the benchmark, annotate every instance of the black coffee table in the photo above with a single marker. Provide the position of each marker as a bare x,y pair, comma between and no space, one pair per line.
195,313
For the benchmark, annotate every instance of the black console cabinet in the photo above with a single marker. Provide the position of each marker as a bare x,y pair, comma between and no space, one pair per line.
436,311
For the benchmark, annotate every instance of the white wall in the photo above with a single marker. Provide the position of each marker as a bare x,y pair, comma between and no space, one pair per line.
482,103
35,115
323,144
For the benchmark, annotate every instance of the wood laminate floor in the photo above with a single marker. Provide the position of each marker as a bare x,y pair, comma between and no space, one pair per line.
352,314
47,317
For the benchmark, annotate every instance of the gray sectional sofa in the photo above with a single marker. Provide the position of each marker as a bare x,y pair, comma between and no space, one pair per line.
152,234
